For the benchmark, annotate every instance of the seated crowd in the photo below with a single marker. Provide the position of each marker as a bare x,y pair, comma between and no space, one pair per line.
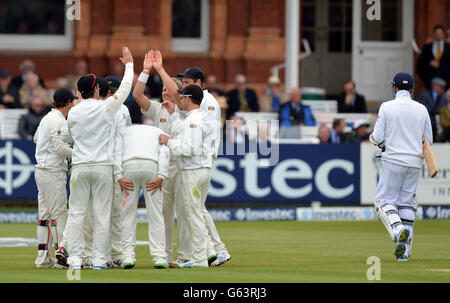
28,91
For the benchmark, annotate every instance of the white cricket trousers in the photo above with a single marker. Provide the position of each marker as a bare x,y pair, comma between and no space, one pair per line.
141,171
173,200
52,209
194,183
91,189
114,245
214,241
395,194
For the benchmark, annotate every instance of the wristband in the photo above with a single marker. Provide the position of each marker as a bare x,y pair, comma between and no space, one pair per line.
143,77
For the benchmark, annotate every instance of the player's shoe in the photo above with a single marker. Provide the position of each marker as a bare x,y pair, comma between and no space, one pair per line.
162,265
61,256
402,259
190,264
99,267
222,257
114,264
178,261
127,264
400,244
211,259
89,263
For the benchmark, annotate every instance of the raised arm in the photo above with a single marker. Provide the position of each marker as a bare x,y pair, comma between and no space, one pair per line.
114,102
165,77
138,92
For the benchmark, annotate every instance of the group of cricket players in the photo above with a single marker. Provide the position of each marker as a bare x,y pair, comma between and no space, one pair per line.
114,162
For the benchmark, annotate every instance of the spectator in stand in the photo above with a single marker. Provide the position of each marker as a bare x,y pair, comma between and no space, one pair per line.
294,112
360,133
81,69
32,88
9,95
433,101
27,66
211,84
351,102
235,130
324,134
29,122
444,119
434,60
62,83
337,132
241,98
274,98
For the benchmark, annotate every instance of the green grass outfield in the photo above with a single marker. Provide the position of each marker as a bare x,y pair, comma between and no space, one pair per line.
268,252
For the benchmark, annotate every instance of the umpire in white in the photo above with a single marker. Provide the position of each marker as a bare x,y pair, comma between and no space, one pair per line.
91,128
51,176
399,130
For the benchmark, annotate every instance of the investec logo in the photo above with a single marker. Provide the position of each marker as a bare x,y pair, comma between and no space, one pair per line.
14,174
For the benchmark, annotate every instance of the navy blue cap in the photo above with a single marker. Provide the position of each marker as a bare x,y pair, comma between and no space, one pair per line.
113,82
103,87
87,83
193,73
64,95
193,91
403,81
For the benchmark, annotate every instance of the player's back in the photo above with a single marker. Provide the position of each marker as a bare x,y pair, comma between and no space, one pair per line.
141,142
92,133
405,123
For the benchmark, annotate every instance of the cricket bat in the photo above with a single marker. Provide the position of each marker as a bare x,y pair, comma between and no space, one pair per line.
430,160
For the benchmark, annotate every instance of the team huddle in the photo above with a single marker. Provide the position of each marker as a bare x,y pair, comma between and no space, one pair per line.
113,162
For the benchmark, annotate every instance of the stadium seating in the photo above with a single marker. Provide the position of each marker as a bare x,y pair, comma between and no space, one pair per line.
9,122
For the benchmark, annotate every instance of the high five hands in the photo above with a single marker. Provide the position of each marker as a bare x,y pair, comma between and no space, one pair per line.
153,59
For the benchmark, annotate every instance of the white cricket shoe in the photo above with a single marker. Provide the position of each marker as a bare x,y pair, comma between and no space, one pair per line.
222,257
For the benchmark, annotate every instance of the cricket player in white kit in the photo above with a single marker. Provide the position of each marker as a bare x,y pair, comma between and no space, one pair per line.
211,109
161,118
192,147
91,128
122,120
51,176
399,130
145,163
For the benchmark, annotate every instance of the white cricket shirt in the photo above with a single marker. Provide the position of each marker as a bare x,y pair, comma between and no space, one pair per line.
51,150
140,142
211,108
193,144
122,120
401,124
91,125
